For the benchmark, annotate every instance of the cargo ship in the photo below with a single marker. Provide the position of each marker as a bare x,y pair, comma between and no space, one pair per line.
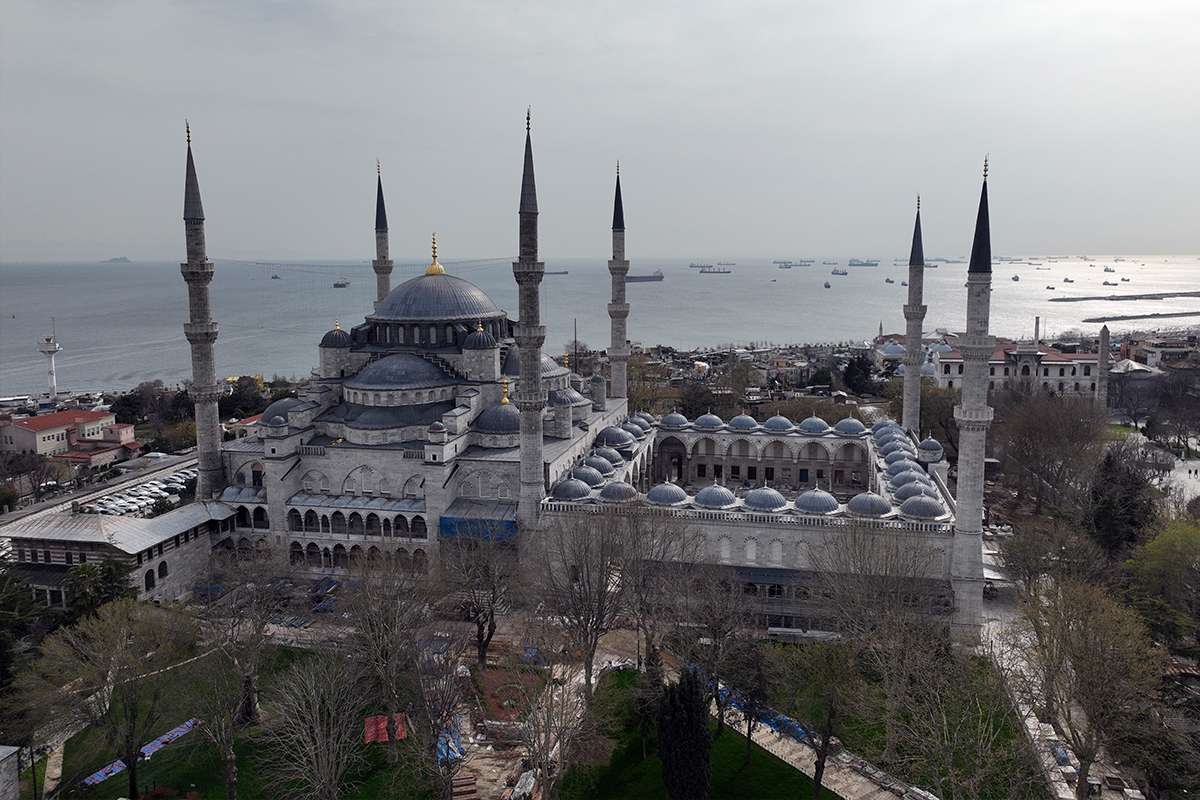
657,275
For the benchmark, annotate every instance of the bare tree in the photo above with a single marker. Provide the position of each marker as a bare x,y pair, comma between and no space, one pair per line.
480,569
312,741
217,695
1133,396
660,554
554,725
578,577
109,671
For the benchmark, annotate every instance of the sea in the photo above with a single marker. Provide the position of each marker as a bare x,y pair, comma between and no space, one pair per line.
122,323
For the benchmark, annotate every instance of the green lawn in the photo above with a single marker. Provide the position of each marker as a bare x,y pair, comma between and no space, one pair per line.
629,776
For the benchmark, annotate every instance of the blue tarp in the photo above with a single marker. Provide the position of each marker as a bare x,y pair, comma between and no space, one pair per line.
449,746
148,749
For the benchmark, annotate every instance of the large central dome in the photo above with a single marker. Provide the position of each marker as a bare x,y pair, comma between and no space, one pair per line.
436,298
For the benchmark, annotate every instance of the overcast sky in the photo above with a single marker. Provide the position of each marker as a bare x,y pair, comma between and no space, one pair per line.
744,129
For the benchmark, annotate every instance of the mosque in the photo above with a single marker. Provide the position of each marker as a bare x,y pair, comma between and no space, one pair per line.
440,416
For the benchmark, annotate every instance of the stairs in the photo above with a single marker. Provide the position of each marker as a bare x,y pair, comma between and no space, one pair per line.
462,787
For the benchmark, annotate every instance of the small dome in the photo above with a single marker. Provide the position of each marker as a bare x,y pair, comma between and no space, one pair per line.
892,349
930,450
336,337
618,492
901,465
764,498
922,507
715,496
868,504
743,422
887,448
512,365
890,434
571,489
899,454
641,423
609,455
500,418
914,489
646,417
778,424
613,436
277,422
633,430
601,465
400,371
666,494
589,475
881,424
817,501
708,422
850,427
437,427
674,421
813,426
908,476
479,339
565,397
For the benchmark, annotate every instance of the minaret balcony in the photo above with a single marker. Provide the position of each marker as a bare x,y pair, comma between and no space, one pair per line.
915,312
200,332
197,271
618,310
528,271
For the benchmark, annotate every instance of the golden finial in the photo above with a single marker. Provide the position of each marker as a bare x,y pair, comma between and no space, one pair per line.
337,326
985,166
479,325
504,392
528,114
187,126
434,267
566,359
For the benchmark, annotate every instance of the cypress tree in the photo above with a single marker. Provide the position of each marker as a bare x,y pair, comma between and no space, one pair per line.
683,741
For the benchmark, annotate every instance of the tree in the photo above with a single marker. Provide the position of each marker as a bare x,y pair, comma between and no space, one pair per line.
683,741
554,724
659,554
579,582
312,742
107,671
217,697
1165,586
752,687
1133,396
90,586
648,695
858,375
480,568
696,399
1122,497
17,614
821,377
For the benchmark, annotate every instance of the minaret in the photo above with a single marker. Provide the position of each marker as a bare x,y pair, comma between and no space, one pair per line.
1102,357
530,334
914,316
201,334
49,347
382,264
974,417
618,309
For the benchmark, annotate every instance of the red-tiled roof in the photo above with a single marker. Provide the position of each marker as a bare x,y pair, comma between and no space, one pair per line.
60,419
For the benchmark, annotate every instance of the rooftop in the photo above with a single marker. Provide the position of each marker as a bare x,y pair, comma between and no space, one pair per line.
61,419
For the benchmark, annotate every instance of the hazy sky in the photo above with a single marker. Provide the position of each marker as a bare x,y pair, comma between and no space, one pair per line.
779,129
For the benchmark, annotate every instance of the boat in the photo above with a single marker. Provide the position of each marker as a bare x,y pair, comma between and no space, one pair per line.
1068,280
839,272
556,272
1035,263
860,262
826,284
1124,280
805,262
828,263
1041,268
1110,269
904,283
1051,288
785,265
715,270
1016,277
777,261
699,266
275,277
657,275
1111,283
342,284
726,263
888,280
929,265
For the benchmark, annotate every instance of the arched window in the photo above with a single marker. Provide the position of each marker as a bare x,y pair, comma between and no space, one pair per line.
326,557
372,526
355,554
256,475
295,523
418,528
149,579
324,523
295,553
751,549
401,526
355,524
724,548
403,558
242,520
338,522
420,562
340,559
163,571
260,518
777,552
374,553
387,526
312,554
750,588
311,521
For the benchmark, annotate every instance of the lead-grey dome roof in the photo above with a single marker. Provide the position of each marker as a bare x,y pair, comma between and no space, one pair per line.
930,450
640,421
618,492
764,498
647,416
600,464
922,507
908,476
479,339
778,424
899,454
336,338
501,418
565,397
666,494
400,371
428,298
633,430
715,496
912,490
850,427
890,434
570,489
673,420
610,455
743,422
280,408
868,504
277,422
613,436
512,365
589,475
708,422
881,424
887,448
814,426
901,465
817,501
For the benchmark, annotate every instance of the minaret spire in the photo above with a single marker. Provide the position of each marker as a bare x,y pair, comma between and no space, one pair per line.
530,335
201,333
618,309
382,265
914,317
974,418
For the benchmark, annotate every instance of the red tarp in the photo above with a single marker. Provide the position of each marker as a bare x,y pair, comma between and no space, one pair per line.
375,728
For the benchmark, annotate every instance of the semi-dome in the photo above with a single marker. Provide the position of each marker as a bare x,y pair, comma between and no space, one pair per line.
674,421
512,365
618,492
610,455
813,426
913,490
600,464
400,371
280,408
715,496
565,397
743,422
922,507
589,475
908,476
666,494
764,498
500,418
902,465
868,504
930,450
887,448
571,489
613,436
778,424
479,339
817,501
899,454
437,297
849,427
336,337
708,422
633,430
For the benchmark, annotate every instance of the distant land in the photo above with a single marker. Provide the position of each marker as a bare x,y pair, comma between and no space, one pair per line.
119,260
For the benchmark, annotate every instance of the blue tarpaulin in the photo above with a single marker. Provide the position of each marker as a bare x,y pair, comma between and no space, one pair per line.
479,519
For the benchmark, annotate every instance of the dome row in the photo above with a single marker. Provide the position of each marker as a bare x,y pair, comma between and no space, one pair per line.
744,423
